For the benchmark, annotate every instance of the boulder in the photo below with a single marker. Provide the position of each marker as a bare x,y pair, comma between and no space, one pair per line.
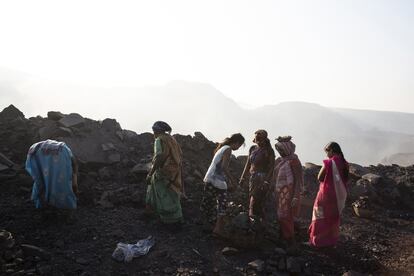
362,188
311,182
11,113
129,134
357,170
141,168
53,131
47,132
108,147
55,115
312,166
110,125
72,120
199,135
64,132
372,178
89,149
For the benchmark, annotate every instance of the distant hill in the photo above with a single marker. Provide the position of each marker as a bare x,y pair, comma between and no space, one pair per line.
380,120
367,137
402,159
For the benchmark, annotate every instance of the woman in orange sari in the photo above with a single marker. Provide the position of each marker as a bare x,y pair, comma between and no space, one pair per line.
330,201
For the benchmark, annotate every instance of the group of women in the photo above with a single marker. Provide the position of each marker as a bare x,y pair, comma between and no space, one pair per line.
267,177
54,171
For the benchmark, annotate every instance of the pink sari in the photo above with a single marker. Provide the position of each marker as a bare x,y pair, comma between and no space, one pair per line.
329,203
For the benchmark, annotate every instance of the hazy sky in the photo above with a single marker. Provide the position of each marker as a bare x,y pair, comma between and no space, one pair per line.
350,53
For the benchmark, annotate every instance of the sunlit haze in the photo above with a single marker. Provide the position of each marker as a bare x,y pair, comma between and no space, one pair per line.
354,54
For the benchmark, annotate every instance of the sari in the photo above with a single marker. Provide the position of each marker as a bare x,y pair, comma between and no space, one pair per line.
166,187
288,177
329,204
262,160
50,165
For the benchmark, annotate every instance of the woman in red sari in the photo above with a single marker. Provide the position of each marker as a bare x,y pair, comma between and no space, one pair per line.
330,201
288,180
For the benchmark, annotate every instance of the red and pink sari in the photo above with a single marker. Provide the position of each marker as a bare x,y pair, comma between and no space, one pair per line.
329,203
288,179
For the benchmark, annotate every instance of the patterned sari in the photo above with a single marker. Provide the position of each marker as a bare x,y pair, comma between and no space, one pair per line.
329,203
50,165
288,176
262,161
163,194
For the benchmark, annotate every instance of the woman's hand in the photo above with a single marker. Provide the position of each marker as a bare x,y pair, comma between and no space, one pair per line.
322,174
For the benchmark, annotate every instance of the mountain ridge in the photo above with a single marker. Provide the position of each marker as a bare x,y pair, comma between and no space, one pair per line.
192,106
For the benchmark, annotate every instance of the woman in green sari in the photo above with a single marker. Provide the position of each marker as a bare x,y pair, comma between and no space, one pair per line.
165,182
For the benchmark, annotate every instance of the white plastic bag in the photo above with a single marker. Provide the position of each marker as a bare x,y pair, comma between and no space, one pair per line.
126,252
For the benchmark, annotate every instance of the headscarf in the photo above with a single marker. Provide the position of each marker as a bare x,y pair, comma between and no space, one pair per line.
48,147
161,126
285,146
289,169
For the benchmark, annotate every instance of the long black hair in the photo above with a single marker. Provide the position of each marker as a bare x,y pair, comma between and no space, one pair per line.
336,148
235,138
268,147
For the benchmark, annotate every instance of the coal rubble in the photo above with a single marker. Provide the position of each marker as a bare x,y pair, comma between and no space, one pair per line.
113,166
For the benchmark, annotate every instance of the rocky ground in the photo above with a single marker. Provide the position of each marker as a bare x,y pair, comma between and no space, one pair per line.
113,164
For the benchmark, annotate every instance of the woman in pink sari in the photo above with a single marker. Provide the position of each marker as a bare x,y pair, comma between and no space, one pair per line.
330,201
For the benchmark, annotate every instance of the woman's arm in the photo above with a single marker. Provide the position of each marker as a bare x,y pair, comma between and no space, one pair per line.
75,169
225,165
158,159
322,174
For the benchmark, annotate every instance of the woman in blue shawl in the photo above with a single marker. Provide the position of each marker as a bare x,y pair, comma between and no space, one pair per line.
54,171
